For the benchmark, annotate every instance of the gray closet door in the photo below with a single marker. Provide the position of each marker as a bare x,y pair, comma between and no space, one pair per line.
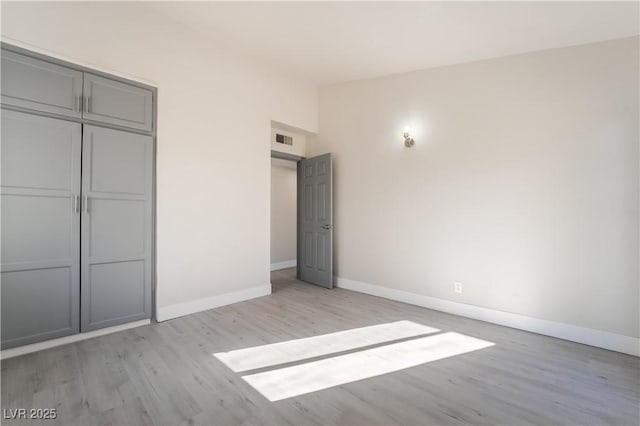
315,221
114,102
116,227
40,228
40,85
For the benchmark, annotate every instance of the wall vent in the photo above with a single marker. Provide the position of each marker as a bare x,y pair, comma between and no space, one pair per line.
283,139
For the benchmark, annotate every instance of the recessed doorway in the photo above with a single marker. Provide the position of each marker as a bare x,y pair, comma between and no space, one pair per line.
302,216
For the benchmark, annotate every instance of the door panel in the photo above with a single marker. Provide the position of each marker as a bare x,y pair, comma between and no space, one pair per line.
109,282
44,162
308,255
24,225
40,85
321,251
40,228
114,102
116,227
315,216
127,155
323,203
37,303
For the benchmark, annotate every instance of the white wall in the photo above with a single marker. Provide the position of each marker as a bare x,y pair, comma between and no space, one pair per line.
214,119
283,213
523,183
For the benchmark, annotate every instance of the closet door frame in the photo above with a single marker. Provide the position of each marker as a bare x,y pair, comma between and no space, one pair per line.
12,47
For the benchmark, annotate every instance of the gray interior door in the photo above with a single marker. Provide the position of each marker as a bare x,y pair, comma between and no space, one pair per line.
40,228
40,85
114,102
116,227
315,220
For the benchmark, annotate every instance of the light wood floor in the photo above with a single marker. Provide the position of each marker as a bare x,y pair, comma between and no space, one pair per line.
166,374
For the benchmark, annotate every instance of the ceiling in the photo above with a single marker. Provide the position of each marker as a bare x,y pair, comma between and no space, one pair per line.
332,42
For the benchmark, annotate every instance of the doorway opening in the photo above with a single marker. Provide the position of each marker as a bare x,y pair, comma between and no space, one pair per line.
284,221
301,243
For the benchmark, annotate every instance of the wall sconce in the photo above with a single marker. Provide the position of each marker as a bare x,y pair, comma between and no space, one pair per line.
408,140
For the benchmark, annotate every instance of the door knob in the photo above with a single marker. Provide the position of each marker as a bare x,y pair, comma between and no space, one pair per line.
327,226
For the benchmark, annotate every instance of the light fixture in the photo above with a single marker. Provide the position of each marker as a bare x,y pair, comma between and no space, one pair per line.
408,140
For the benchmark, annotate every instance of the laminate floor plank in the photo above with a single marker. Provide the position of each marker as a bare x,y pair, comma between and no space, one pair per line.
167,374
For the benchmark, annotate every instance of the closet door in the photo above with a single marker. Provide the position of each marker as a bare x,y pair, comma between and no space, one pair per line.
116,227
40,228
40,85
114,102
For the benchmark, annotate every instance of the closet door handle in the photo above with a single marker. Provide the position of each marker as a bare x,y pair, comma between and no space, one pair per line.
86,104
86,204
78,103
76,203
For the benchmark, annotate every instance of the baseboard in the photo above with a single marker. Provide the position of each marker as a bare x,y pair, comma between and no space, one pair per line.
181,309
284,265
588,336
40,346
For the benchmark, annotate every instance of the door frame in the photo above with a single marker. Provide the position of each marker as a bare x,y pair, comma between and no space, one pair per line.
297,159
51,57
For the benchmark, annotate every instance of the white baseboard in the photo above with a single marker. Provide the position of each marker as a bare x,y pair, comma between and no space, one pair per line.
588,336
186,308
284,265
40,346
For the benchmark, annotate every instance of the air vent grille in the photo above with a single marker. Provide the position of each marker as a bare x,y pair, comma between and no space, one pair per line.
283,139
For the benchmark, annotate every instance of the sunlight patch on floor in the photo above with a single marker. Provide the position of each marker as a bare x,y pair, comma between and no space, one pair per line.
315,346
313,376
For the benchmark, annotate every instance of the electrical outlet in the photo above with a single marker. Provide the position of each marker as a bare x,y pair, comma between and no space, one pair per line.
457,287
